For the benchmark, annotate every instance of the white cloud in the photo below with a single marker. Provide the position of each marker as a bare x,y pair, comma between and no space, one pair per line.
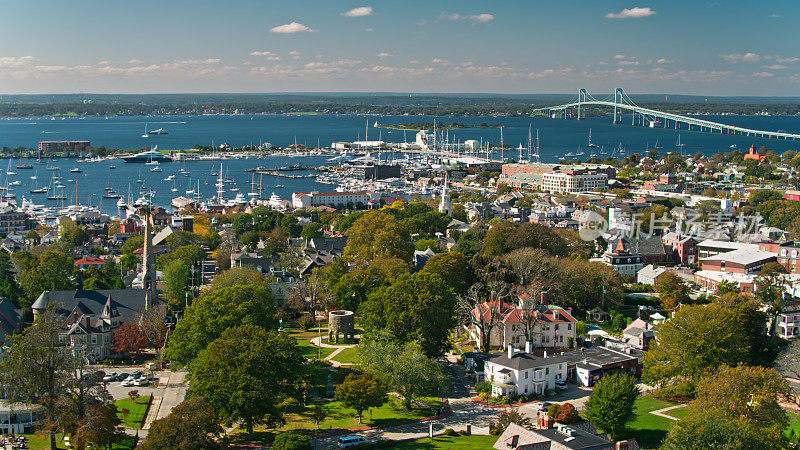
135,61
628,63
774,67
661,61
747,57
475,18
763,74
358,12
103,63
619,56
774,16
790,59
12,62
632,13
269,55
367,29
292,27
384,55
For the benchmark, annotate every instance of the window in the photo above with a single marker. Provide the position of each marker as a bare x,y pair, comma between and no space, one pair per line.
556,327
569,326
547,371
94,339
526,374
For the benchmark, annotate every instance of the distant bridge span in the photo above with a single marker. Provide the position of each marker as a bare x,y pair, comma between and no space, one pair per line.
653,118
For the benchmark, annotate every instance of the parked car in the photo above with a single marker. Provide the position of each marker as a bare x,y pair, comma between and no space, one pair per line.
350,441
121,377
542,406
128,382
111,376
561,385
141,381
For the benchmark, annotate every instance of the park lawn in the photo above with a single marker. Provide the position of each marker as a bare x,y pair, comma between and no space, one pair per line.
137,408
304,342
649,430
40,442
449,442
340,417
348,356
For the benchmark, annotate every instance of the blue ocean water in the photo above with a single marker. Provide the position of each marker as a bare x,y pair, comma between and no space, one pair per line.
556,136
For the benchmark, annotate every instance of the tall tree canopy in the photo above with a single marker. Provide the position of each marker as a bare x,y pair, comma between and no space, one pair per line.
377,233
419,306
216,311
246,372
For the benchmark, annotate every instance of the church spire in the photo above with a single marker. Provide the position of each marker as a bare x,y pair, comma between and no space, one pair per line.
444,206
148,256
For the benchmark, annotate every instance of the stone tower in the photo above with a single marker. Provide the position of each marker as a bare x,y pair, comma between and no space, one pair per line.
444,206
148,257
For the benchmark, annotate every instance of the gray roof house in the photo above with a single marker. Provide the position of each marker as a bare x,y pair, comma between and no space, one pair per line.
91,317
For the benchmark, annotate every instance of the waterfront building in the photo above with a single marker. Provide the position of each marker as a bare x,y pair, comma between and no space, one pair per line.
336,199
376,171
12,219
48,147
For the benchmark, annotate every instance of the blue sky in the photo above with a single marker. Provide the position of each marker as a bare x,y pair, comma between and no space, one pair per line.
729,47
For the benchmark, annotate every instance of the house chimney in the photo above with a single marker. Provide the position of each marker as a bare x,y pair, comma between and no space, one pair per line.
623,445
528,347
510,351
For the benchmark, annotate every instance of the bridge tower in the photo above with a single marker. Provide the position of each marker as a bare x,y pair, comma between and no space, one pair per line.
618,95
581,99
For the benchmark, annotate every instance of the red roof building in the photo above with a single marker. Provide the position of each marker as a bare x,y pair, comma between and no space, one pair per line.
88,262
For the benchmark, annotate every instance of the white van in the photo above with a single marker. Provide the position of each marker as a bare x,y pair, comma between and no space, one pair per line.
350,441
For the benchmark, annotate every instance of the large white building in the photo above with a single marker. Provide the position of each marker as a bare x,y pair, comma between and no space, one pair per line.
561,182
335,199
522,373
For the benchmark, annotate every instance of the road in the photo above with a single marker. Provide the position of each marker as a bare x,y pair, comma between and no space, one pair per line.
170,391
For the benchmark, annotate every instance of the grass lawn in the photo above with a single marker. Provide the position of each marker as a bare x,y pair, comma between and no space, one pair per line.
447,442
648,429
348,356
40,442
303,341
137,408
339,416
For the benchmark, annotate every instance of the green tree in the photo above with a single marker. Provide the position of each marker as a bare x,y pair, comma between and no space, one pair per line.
236,276
417,306
610,406
376,233
619,323
403,367
37,369
99,429
747,398
244,374
497,238
725,287
190,425
312,230
51,271
770,289
361,392
672,290
290,226
177,276
697,339
459,213
291,440
454,268
216,311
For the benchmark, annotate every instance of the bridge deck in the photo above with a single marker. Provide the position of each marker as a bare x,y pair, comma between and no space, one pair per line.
721,127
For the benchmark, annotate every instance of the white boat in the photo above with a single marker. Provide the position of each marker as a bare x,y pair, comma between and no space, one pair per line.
156,168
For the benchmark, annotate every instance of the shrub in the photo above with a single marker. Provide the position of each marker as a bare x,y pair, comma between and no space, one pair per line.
291,440
307,322
483,386
553,410
450,432
567,414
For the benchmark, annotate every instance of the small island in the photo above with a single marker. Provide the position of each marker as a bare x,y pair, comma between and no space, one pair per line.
439,126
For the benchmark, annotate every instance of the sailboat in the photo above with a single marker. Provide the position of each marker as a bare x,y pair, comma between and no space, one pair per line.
679,145
146,134
590,144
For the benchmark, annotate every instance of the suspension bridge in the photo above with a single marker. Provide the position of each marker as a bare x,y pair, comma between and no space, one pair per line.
621,104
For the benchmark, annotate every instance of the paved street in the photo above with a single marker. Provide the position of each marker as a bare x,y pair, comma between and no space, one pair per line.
170,391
